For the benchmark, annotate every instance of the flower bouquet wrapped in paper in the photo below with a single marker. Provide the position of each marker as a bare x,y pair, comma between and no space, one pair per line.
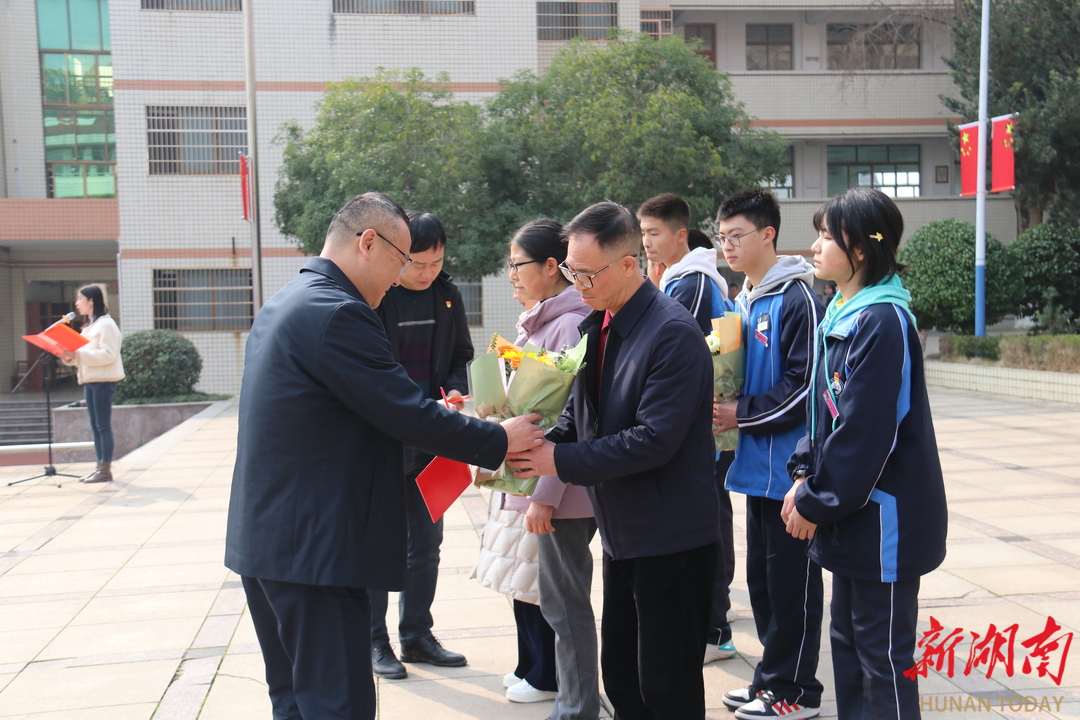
509,381
729,369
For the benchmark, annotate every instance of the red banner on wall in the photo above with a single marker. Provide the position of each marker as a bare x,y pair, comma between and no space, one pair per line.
1003,172
245,187
969,158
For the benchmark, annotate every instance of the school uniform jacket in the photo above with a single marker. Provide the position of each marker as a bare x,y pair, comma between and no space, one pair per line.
873,484
778,334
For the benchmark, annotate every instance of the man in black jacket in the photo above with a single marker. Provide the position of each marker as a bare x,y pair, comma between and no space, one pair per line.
317,513
638,432
425,322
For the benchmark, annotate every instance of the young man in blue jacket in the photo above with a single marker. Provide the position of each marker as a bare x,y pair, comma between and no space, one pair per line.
638,433
780,313
690,276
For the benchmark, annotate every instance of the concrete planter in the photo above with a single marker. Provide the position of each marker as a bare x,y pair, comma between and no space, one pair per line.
1035,384
133,425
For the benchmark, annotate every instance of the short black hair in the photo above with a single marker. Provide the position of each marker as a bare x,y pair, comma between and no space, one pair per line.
367,209
427,231
541,239
94,295
698,239
862,217
669,208
758,206
612,224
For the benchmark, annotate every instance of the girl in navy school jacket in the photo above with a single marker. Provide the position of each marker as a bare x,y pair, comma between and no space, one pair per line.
868,486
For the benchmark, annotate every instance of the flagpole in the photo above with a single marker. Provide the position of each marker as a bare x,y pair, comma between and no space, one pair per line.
980,181
253,158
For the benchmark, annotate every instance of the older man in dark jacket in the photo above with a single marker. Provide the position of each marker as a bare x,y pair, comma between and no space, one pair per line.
317,513
638,433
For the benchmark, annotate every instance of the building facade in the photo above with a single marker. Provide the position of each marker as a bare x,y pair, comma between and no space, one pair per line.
122,122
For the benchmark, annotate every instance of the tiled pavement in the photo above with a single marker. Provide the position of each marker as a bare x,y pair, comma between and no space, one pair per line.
114,603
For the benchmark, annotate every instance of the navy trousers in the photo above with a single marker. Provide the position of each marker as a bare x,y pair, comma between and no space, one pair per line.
873,643
787,597
719,627
536,647
316,646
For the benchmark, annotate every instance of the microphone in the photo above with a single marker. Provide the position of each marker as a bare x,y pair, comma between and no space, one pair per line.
66,320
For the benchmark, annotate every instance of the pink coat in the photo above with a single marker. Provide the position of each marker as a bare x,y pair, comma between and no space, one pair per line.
550,325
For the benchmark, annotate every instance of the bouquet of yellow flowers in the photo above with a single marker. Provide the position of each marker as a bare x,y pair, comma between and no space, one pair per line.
729,369
509,381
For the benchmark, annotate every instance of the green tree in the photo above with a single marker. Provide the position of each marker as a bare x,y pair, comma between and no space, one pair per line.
399,133
624,120
941,277
1047,258
1034,71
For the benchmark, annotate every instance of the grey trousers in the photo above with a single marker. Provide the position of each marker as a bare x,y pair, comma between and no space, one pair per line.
566,569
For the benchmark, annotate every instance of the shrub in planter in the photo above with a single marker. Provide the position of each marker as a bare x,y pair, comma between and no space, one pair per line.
157,363
941,277
1047,257
969,346
1056,353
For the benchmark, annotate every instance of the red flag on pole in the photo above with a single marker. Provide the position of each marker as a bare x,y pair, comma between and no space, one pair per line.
1002,156
969,160
245,187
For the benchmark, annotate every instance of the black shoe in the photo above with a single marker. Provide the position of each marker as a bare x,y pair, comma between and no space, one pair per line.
428,650
385,664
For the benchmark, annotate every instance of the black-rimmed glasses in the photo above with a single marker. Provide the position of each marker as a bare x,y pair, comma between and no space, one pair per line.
406,260
733,240
512,267
586,279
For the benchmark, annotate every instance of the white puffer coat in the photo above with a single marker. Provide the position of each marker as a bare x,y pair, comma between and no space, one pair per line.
508,554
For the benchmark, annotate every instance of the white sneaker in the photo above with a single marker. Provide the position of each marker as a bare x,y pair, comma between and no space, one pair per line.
523,692
718,652
510,680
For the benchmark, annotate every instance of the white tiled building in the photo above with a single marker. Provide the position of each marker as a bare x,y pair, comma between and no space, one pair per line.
167,237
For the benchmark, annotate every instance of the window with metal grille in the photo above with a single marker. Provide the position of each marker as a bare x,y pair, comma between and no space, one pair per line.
864,47
568,20
203,300
472,294
195,140
211,5
656,23
768,47
406,7
892,169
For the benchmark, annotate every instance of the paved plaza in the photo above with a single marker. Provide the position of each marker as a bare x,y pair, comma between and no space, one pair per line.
115,605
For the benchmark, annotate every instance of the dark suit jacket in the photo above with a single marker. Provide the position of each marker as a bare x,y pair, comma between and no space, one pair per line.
318,492
644,443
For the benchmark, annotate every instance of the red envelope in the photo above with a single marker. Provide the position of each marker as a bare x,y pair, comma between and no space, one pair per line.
441,483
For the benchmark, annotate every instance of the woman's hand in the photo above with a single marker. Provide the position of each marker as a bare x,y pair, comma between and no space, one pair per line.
67,356
538,518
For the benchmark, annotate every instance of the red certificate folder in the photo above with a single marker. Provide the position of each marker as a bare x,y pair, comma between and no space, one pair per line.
441,483
57,339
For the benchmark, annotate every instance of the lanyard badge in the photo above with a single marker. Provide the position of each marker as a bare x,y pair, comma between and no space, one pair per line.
762,327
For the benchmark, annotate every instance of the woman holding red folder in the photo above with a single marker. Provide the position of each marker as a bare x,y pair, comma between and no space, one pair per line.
100,368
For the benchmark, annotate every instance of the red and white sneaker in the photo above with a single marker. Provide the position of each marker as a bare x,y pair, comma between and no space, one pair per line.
767,705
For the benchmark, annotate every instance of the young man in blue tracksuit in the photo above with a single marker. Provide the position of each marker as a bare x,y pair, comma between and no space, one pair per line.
689,275
780,313
868,485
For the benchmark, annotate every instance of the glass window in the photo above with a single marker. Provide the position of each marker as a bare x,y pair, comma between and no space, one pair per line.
407,7
82,79
59,134
213,5
656,23
55,78
52,19
868,47
786,187
203,300
874,166
85,24
67,181
472,294
568,20
769,47
100,181
195,140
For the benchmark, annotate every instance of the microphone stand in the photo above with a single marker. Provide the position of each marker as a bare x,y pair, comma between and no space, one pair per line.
50,469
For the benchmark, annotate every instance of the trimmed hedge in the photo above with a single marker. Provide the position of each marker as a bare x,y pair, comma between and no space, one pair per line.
157,363
1055,353
193,397
1048,256
969,346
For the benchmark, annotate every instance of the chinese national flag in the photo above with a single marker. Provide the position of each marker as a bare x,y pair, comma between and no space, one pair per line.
969,158
1003,176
